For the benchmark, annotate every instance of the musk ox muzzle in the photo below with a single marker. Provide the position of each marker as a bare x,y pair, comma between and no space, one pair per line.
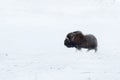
78,40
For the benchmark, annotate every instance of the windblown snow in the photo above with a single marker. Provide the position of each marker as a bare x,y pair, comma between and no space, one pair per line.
32,34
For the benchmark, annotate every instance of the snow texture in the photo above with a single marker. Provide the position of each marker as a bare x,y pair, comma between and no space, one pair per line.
32,34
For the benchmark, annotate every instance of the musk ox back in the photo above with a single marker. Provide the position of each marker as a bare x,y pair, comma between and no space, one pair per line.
78,40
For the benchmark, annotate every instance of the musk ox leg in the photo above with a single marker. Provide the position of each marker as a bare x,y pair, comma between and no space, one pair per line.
95,49
88,50
77,47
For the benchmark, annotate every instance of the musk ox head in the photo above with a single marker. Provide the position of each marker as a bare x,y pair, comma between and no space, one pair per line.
73,39
78,40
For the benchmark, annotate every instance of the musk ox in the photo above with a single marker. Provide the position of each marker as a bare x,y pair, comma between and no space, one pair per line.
78,40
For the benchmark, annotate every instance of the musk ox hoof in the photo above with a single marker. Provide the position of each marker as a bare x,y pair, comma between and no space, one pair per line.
78,40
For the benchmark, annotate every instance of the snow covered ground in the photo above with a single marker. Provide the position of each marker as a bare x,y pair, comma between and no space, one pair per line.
32,34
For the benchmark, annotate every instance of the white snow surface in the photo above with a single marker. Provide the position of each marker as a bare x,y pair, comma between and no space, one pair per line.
32,34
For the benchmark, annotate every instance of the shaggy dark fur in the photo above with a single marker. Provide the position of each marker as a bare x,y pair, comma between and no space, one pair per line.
78,40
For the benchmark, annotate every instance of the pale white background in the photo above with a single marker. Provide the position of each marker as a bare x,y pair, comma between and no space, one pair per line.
32,34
